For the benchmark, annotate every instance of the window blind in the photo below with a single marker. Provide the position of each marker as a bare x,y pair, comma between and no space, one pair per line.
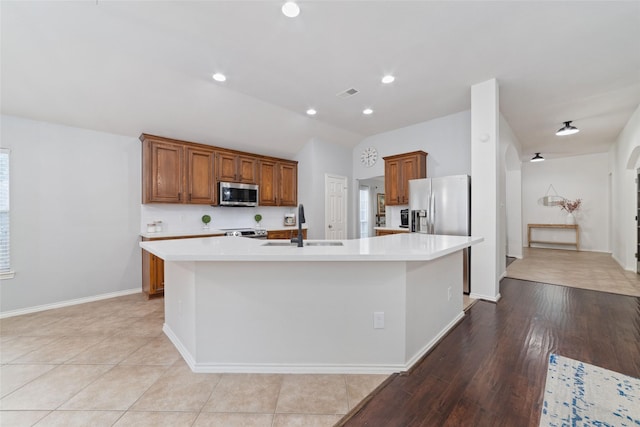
5,264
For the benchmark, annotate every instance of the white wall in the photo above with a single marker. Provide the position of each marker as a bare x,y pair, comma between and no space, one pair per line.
75,213
445,139
584,177
624,160
486,262
510,150
316,159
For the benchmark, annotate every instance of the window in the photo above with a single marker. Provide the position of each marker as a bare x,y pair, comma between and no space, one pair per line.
364,211
5,264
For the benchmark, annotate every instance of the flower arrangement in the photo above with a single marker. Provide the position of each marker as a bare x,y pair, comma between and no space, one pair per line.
569,205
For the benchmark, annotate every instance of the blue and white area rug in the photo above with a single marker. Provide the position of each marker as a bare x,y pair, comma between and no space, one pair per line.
579,394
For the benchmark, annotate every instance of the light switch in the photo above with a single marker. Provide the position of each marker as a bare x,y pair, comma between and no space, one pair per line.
378,320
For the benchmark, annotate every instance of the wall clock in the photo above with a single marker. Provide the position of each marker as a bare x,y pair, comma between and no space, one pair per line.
369,156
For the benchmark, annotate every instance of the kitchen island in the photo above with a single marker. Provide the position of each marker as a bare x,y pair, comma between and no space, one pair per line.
370,305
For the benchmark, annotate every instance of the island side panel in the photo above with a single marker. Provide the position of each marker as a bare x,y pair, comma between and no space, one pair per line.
299,316
430,312
179,308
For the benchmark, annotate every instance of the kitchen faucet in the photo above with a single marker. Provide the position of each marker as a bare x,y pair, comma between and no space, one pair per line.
301,219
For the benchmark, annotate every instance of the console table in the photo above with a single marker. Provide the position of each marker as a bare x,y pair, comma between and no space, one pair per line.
556,226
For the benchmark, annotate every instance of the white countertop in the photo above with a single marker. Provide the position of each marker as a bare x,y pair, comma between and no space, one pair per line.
201,232
395,247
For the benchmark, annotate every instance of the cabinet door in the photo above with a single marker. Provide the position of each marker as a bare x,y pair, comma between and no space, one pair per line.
200,185
157,276
247,169
392,178
268,184
164,172
152,274
285,234
288,188
279,234
226,168
408,170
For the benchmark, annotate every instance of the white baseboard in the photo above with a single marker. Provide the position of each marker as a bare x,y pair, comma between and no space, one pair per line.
68,303
286,368
485,297
621,264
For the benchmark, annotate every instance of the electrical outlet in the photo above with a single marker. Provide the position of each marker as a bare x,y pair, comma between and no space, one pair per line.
378,320
449,293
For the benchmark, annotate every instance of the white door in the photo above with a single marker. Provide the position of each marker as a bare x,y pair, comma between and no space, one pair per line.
335,210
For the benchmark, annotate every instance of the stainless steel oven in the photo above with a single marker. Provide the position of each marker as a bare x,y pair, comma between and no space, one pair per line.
253,233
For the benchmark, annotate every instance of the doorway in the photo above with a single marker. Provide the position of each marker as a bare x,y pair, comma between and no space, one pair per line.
638,221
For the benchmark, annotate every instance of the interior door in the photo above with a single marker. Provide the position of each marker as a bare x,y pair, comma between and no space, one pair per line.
638,223
335,211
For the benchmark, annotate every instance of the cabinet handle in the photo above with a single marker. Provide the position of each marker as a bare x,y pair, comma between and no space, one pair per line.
189,196
179,197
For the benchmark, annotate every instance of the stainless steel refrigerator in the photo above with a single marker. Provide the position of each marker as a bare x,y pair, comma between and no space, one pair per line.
443,206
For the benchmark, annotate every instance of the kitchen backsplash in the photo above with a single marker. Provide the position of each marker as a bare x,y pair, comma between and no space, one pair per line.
179,218
392,214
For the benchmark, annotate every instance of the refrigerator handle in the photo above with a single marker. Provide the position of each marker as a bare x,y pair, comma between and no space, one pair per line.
432,213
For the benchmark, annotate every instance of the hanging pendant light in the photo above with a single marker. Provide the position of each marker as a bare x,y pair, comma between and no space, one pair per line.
537,158
567,129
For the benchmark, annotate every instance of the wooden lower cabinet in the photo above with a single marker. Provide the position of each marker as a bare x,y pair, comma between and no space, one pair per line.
153,268
386,232
152,275
285,234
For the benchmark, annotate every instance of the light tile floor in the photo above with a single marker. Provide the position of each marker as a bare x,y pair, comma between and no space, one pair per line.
587,270
108,363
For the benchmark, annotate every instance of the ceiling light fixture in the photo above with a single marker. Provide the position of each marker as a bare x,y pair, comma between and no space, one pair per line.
537,158
567,129
219,77
290,9
311,112
388,79
367,111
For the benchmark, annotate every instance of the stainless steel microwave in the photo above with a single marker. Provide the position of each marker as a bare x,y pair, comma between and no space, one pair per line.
237,194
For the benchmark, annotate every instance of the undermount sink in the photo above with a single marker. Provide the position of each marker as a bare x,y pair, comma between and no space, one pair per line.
318,243
323,243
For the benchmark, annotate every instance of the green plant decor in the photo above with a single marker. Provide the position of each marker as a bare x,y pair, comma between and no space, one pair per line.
258,217
206,219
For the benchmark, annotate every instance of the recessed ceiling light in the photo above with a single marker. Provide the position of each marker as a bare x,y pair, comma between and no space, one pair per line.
388,79
311,112
290,9
367,111
219,77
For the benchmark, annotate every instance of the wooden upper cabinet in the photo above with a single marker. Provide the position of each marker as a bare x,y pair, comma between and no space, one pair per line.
247,169
226,166
185,172
163,170
288,175
398,170
232,167
268,188
174,172
278,183
200,177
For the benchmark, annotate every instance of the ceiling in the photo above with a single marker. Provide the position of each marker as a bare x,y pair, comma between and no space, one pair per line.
131,67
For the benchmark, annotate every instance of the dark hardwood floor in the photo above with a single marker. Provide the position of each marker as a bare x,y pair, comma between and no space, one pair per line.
491,369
